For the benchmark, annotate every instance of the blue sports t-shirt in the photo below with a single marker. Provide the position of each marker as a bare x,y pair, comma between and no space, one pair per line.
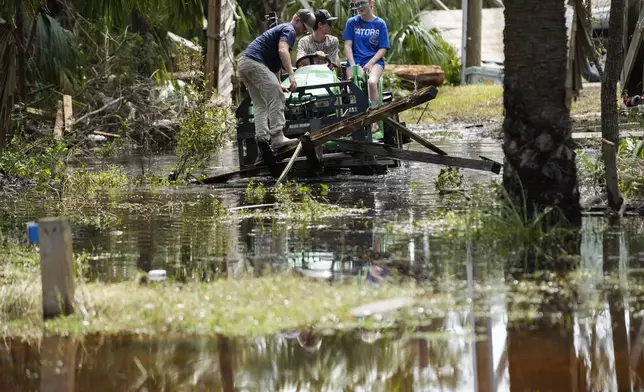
265,47
367,37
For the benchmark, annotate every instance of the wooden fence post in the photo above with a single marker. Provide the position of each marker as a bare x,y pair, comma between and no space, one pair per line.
56,268
68,113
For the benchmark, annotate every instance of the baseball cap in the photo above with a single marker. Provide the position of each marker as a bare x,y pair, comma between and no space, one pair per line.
308,19
323,16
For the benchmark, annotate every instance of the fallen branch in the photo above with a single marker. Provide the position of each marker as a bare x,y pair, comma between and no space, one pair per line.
97,111
106,134
252,207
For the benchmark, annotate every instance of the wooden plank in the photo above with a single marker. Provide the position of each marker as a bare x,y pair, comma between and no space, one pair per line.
58,126
365,119
401,128
68,113
56,260
332,161
383,150
598,135
633,50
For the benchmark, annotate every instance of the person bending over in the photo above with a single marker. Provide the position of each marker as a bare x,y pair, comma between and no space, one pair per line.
320,42
259,70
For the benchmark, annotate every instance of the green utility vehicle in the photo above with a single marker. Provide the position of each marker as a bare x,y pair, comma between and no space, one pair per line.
322,99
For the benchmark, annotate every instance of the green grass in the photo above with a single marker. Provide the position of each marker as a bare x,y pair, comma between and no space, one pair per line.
248,306
479,103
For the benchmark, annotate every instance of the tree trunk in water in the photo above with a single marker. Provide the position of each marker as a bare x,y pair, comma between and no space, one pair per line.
610,128
539,168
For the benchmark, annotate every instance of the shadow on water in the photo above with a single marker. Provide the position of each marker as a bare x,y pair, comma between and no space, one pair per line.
587,338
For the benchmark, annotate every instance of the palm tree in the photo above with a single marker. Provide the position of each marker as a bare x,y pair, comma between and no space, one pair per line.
539,169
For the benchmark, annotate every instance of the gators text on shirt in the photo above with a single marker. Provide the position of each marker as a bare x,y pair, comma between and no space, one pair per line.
367,37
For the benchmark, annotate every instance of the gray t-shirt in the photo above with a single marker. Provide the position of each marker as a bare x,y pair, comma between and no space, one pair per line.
307,45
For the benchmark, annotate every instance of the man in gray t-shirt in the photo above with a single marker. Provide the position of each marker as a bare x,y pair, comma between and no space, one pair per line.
320,43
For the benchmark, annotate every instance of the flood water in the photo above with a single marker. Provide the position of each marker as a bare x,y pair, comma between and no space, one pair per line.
590,340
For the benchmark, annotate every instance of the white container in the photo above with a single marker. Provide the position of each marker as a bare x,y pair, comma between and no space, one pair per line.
483,75
157,275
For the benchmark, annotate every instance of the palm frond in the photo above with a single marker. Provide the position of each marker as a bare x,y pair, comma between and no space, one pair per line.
56,60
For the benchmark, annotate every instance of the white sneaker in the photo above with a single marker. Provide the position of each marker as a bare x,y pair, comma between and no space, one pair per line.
280,140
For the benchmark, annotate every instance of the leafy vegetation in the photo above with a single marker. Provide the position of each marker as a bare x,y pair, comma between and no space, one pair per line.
207,126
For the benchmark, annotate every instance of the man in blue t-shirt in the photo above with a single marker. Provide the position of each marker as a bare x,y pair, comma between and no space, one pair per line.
366,41
259,70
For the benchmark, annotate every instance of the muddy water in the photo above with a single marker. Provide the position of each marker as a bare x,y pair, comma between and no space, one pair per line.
591,340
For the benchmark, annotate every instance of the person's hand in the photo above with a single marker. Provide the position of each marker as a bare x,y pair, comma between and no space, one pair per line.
367,67
320,53
349,72
285,89
291,78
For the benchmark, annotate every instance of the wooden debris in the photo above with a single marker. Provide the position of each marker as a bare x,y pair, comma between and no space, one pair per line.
289,164
106,134
68,113
418,76
384,150
401,128
58,126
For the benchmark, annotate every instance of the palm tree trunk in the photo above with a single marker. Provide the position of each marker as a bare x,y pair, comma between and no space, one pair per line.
610,128
20,44
539,168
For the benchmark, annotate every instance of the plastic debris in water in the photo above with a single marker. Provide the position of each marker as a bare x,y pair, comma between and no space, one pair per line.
157,274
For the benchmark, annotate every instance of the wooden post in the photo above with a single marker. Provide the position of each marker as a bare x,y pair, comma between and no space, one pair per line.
68,113
59,125
214,41
56,270
474,15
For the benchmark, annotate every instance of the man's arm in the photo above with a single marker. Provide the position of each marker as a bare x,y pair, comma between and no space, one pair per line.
286,63
285,57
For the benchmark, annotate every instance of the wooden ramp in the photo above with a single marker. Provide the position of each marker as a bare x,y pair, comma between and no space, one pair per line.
365,119
385,150
358,122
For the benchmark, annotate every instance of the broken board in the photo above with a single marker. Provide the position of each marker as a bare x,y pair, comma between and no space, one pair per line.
384,150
